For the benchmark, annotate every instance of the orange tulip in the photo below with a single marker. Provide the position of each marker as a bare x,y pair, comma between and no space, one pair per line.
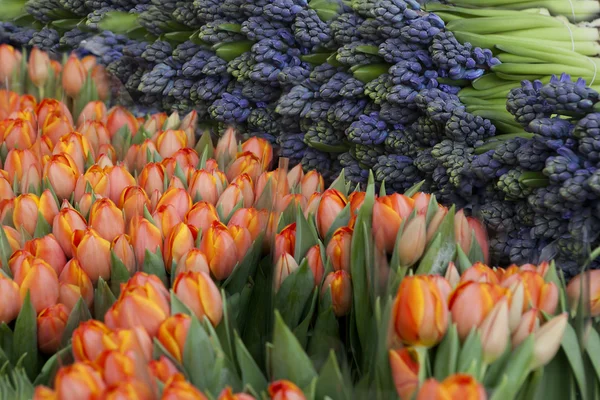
166,217
405,372
413,240
96,178
145,237
73,76
421,202
10,300
227,394
65,223
462,231
16,261
227,146
130,389
547,340
9,102
101,81
315,263
6,191
41,282
188,125
588,282
443,285
170,141
202,215
285,390
11,58
85,204
198,291
295,176
284,267
48,105
311,182
285,241
187,158
193,260
339,248
96,134
245,163
297,201
494,332
529,324
538,293
163,369
90,339
106,219
62,173
340,286
205,187
246,185
55,126
250,218
48,249
277,189
25,213
179,199
356,200
118,117
480,272
242,239
388,213
261,148
18,163
44,393
17,133
457,386
14,238
181,239
77,146
172,334
7,207
479,234
38,67
132,201
51,323
332,203
219,247
81,381
123,250
116,366
74,283
180,389
151,178
229,199
138,306
93,252
93,111
420,312
471,302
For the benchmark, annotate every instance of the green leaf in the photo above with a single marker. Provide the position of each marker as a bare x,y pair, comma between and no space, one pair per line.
516,371
154,265
62,358
441,251
339,184
330,382
251,374
118,273
316,58
205,144
6,343
341,220
229,51
178,307
366,73
288,359
5,252
25,338
42,227
199,357
593,350
103,299
470,356
462,260
118,22
305,237
178,37
79,314
245,269
301,331
235,28
325,336
446,356
570,345
293,294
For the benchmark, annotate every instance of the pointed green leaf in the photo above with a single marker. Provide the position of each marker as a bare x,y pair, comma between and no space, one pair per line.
293,294
80,313
446,356
251,374
103,299
570,346
25,338
5,252
178,307
154,265
330,382
441,251
118,273
62,358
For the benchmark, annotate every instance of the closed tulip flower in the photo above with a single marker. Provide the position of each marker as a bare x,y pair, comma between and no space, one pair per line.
495,332
145,237
180,389
123,250
11,58
62,173
198,291
51,323
138,306
480,272
285,241
246,185
245,163
44,393
479,234
163,369
96,178
6,191
205,187
227,394
285,265
101,81
93,252
10,300
202,215
339,249
331,205
65,223
547,340
443,285
405,372
471,302
285,390
243,241
250,218
181,239
14,238
38,67
73,76
90,339
119,178
41,281
116,366
220,250
82,381
77,146
170,141
457,386
131,389
17,133
172,334
106,219
311,182
96,134
132,201
74,283
413,241
55,126
538,293
388,213
25,212
356,200
528,324
118,117
93,111
462,231
315,263
340,287
179,199
227,146
18,162
85,203
193,260
19,262
435,223
48,249
420,312
261,148
295,176
588,282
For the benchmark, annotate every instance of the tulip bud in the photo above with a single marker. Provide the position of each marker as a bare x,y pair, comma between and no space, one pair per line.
424,321
180,389
96,134
6,191
79,381
188,125
25,212
331,205
172,334
179,199
356,200
405,372
132,388
55,126
547,340
51,323
462,231
202,215
538,293
285,390
479,234
11,58
576,286
14,238
285,266
132,201
97,179
145,237
17,133
452,275
339,249
44,393
315,263
243,241
62,174
198,291
494,332
226,149
204,186
412,242
118,117
457,386
227,394
93,111
250,218
89,340
340,287
78,147
388,213
261,148
163,369
245,163
435,223
123,250
285,241
528,324
73,76
229,199
41,282
18,162
10,300
220,250
74,283
193,260
515,310
48,249
169,141
471,302
101,81
66,222
93,252
295,176
106,219
181,239
479,272
38,67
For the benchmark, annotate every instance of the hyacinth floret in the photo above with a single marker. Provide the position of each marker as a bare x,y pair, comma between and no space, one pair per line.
241,66
159,80
265,73
377,90
394,114
576,190
554,127
401,95
77,7
317,111
292,146
561,167
47,39
506,151
398,172
526,104
292,76
446,150
498,215
371,30
295,102
213,34
264,119
422,30
466,127
322,133
588,126
232,9
230,109
181,89
532,155
523,247
367,130
186,14
122,68
209,88
343,112
259,28
352,169
322,73
309,30
208,10
425,162
485,168
157,52
185,51
215,65
344,28
564,95
270,50
589,148
406,72
395,13
394,50
331,89
259,92
135,49
155,20
399,142
71,39
283,10
315,159
583,225
510,184
349,54
426,131
367,155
